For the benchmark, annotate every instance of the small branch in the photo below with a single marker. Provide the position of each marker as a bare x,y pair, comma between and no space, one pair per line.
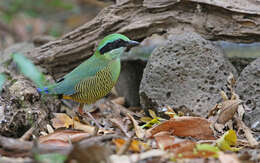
120,126
248,133
95,139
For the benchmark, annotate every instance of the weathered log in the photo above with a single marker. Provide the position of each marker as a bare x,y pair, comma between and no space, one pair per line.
215,20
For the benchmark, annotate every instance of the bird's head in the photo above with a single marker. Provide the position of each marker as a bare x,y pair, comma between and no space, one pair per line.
114,45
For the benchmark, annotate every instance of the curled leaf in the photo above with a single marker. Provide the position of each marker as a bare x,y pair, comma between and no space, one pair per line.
186,126
227,140
61,120
140,133
227,110
63,136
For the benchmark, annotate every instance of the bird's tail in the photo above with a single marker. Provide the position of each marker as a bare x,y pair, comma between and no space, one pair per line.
46,90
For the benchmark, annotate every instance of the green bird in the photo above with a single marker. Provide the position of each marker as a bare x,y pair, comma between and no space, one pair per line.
95,77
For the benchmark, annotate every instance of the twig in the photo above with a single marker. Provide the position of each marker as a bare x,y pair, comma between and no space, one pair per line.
120,126
126,146
123,109
17,148
95,139
251,140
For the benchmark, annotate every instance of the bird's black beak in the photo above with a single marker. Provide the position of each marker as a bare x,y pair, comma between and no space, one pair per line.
132,43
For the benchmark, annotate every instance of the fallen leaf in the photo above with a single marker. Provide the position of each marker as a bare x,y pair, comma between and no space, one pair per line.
227,140
189,149
170,112
228,110
186,126
135,146
87,128
140,133
64,135
208,148
164,139
151,121
56,142
61,120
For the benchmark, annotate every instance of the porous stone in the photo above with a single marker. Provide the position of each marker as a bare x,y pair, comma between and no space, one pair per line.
186,74
248,88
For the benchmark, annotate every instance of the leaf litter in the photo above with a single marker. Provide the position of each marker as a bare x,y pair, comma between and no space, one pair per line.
132,136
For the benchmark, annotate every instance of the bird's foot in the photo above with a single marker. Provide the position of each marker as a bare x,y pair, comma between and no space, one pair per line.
82,113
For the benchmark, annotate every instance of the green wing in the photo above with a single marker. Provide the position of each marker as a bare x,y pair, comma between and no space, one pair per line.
87,69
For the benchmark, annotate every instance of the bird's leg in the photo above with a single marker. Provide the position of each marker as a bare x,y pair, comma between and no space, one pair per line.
80,109
82,113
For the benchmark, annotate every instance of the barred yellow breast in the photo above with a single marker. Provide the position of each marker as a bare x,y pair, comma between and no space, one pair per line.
91,89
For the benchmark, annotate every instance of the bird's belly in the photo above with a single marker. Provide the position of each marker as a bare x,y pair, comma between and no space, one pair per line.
91,94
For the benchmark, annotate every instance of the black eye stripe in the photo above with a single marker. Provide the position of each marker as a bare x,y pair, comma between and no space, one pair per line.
113,45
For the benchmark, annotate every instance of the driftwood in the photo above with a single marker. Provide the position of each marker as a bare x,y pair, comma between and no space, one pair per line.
233,20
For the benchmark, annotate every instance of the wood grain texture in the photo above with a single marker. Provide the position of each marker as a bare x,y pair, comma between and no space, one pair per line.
215,20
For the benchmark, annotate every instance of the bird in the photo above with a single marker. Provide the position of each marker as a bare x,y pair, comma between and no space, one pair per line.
95,77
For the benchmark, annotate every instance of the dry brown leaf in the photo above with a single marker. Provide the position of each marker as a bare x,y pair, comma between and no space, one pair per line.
164,139
135,146
196,127
87,128
140,133
61,120
228,110
64,135
56,142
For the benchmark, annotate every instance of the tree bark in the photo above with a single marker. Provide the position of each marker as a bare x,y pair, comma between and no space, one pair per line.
233,20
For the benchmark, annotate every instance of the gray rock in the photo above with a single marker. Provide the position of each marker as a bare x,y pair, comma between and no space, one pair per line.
186,74
133,64
248,87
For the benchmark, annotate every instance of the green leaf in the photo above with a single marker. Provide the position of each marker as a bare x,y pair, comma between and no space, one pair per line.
227,140
28,69
208,147
50,158
2,81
